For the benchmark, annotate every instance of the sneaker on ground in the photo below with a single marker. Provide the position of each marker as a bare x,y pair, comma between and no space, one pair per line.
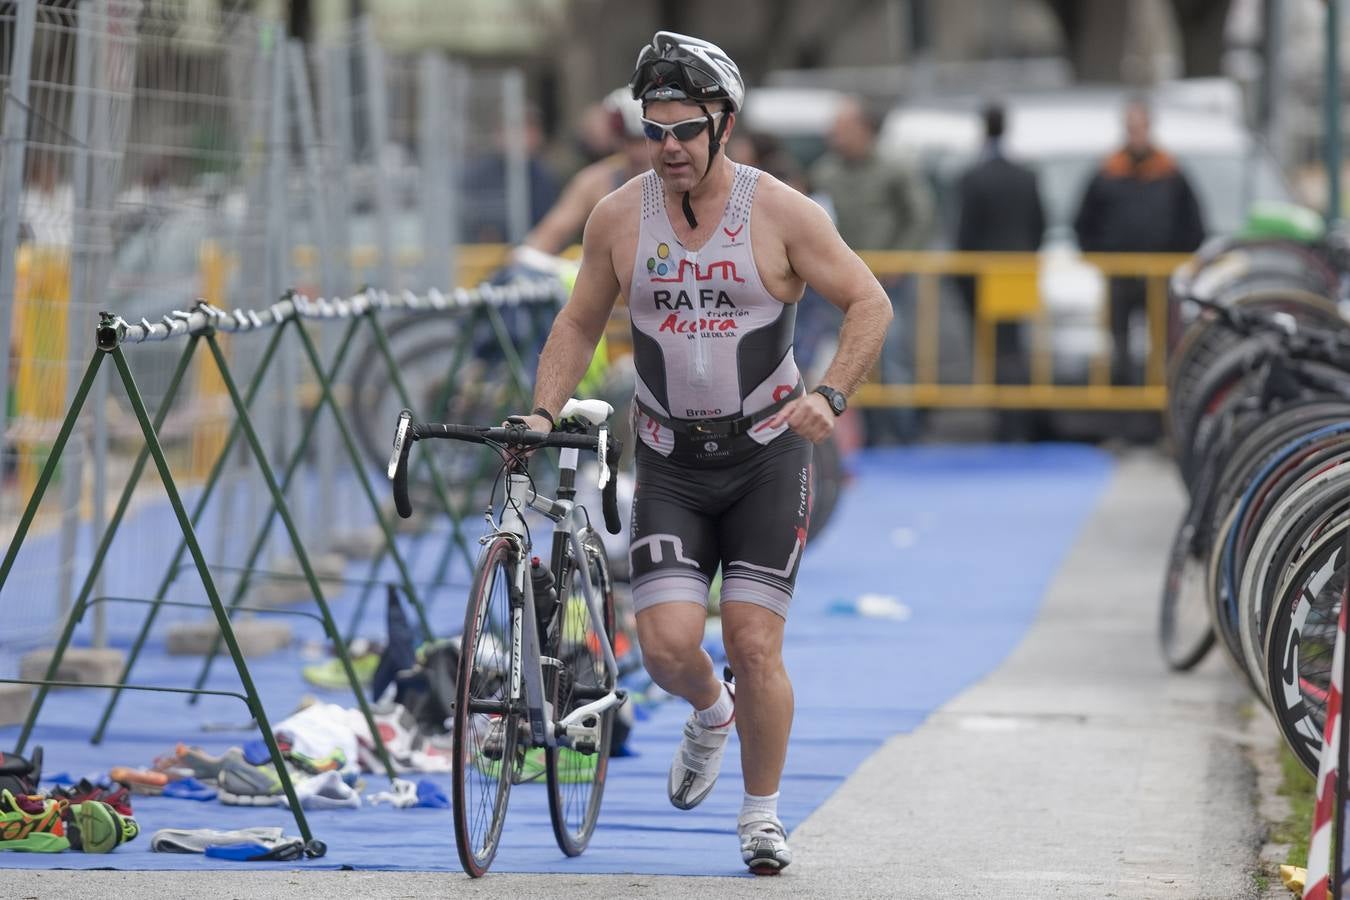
332,675
697,762
193,762
764,846
335,761
244,784
141,781
31,824
116,795
95,827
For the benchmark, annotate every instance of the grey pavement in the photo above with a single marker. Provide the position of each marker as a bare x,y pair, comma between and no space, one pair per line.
1079,768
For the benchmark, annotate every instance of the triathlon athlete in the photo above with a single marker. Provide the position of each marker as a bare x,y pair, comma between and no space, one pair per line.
711,258
563,223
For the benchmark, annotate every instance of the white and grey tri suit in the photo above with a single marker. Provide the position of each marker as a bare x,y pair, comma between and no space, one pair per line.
713,353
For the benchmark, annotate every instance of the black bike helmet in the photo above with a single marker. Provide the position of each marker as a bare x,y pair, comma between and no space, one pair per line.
678,67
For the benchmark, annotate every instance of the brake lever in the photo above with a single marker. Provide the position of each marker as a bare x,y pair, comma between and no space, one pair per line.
602,454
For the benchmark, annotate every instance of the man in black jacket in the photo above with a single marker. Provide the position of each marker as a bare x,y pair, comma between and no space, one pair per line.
1000,209
1139,201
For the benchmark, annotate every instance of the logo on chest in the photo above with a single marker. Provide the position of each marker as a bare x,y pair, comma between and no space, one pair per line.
720,317
663,269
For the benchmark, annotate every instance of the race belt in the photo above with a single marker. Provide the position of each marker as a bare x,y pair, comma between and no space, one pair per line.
722,427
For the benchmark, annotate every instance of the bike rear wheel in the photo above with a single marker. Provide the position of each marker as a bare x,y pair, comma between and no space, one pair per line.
1185,631
487,754
576,779
1301,643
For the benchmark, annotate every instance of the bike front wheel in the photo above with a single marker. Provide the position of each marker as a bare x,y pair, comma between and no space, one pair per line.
487,752
576,775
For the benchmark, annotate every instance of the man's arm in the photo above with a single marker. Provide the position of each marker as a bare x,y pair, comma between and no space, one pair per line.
1037,211
821,258
1087,224
1190,223
580,323
560,224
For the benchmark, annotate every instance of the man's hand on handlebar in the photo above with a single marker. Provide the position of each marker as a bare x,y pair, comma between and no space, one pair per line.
531,423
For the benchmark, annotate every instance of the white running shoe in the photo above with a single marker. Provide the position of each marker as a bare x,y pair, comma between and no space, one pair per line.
694,770
764,846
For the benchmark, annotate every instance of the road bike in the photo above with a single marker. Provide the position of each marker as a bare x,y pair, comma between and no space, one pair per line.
537,675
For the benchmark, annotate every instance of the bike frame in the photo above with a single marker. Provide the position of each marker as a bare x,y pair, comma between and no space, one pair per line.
527,662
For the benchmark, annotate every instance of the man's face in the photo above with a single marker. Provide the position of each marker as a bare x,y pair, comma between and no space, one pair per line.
681,163
851,137
1137,129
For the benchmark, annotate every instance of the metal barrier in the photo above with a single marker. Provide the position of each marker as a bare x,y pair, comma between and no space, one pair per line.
1007,289
206,324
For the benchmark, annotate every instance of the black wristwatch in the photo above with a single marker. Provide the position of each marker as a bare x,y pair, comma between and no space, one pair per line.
838,402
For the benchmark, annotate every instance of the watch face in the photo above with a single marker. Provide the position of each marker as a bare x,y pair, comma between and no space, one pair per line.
837,403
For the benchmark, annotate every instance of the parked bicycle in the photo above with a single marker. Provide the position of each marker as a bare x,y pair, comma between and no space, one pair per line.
537,667
1259,560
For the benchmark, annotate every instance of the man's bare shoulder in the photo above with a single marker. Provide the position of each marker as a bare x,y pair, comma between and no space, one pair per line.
618,208
784,205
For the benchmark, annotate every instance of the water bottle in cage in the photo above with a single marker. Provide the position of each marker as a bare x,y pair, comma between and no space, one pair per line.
545,593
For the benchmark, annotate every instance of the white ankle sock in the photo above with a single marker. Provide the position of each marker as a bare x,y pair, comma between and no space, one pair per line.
720,714
758,809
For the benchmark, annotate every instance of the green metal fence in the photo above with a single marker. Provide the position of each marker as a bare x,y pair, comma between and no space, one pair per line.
473,317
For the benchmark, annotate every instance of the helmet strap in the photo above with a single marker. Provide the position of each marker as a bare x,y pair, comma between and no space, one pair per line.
714,144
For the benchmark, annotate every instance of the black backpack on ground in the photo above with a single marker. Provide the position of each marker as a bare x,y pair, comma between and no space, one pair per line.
19,775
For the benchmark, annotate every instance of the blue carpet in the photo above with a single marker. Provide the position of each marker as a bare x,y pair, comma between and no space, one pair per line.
966,539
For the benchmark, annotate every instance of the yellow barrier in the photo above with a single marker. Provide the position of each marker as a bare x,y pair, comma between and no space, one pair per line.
213,266
41,310
1008,288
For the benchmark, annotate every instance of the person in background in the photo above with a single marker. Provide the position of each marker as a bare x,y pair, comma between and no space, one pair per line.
877,203
1139,201
485,213
561,225
591,140
999,209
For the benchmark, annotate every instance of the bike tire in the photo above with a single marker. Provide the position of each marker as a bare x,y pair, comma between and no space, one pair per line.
576,781
1292,521
827,480
479,795
1185,632
1300,645
1205,342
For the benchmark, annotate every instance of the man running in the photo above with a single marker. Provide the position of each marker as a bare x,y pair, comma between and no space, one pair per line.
712,257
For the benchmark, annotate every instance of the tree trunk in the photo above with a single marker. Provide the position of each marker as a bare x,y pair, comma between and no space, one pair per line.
1201,24
1094,33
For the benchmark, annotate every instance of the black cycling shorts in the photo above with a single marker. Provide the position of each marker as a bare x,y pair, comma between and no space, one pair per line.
750,517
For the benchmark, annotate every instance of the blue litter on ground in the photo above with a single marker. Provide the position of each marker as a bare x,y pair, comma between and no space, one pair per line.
431,796
966,538
189,789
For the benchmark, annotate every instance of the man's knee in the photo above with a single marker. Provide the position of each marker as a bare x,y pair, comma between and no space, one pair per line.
752,653
671,636
668,657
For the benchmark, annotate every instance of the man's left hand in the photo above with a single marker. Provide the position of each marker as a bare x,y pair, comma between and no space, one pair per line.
809,415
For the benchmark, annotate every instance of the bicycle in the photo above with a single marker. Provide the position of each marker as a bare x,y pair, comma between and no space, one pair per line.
537,669
1283,378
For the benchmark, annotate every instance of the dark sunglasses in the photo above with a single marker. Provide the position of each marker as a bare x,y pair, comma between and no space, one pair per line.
683,131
